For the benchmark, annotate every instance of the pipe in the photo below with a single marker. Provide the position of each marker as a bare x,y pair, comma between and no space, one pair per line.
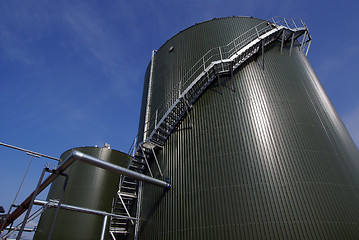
76,155
28,151
120,170
103,232
53,203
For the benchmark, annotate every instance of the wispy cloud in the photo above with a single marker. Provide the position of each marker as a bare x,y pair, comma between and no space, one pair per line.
100,45
22,26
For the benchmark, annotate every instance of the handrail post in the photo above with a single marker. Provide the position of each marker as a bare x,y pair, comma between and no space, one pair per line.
291,45
220,53
305,26
294,24
257,31
286,23
274,21
156,117
308,48
204,64
282,43
301,45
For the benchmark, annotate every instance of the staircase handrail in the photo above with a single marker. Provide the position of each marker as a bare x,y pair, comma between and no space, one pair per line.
222,53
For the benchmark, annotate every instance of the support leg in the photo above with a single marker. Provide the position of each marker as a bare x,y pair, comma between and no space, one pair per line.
291,45
231,69
58,205
262,54
31,204
282,43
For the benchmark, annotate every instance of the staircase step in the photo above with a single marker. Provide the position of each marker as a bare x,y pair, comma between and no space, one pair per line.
128,195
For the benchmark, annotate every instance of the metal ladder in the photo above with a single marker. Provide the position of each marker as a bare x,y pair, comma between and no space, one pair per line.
126,201
217,62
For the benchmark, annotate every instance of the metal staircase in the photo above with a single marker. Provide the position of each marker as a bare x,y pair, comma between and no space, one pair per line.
125,202
217,62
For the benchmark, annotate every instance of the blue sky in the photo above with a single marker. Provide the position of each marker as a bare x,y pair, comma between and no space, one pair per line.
71,72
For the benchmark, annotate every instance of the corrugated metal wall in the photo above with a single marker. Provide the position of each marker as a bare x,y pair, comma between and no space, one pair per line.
271,160
88,187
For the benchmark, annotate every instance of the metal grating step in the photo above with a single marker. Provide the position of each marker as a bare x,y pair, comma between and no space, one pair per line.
192,85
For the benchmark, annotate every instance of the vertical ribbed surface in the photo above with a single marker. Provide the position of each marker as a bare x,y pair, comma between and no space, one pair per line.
188,48
271,160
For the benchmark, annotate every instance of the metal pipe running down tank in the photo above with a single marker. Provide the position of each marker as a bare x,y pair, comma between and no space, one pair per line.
77,155
117,169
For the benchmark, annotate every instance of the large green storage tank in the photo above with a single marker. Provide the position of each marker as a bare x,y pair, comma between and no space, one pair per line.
270,160
87,187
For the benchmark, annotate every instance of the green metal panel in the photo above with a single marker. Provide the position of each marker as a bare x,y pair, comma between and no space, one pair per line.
270,160
88,187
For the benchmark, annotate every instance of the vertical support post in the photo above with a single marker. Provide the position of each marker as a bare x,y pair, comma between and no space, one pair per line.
301,45
282,43
188,106
286,23
294,24
274,21
148,166
156,117
220,53
58,205
149,98
231,69
262,54
204,64
138,210
257,32
216,72
134,147
31,204
306,53
158,165
104,225
291,45
204,67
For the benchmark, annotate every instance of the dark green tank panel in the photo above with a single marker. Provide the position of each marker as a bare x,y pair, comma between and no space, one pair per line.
270,160
188,47
88,187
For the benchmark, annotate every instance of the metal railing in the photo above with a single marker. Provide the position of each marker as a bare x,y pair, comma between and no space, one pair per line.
223,54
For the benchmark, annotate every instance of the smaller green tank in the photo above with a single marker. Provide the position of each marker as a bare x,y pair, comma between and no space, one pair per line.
89,187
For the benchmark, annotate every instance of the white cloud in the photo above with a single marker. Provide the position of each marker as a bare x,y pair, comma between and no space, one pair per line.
93,35
101,45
